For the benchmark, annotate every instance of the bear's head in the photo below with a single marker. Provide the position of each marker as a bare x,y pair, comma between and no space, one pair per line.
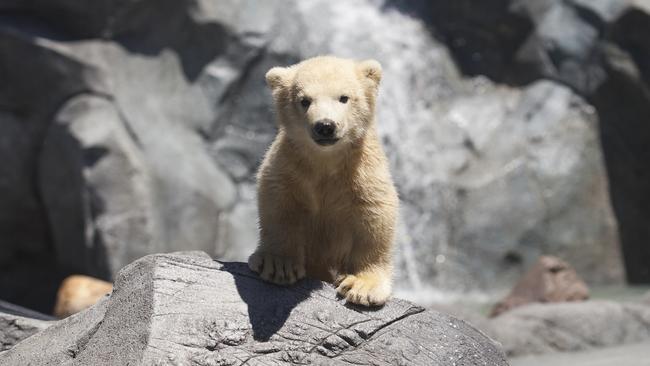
325,102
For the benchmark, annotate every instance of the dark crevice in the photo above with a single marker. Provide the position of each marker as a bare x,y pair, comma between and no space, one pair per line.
483,37
9,308
83,340
623,107
412,311
195,43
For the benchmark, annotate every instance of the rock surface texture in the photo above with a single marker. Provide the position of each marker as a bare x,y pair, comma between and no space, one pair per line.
135,126
186,309
14,328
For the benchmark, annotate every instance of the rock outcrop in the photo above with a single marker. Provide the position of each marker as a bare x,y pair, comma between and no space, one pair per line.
187,309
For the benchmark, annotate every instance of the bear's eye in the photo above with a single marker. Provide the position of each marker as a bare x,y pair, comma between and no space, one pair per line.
305,102
344,99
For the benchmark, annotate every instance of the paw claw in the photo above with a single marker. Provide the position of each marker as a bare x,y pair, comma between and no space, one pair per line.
344,284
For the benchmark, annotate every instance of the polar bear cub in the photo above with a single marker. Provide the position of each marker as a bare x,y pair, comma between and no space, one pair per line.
327,203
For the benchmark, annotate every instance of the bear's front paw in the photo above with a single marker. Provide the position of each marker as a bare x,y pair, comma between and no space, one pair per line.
364,289
276,269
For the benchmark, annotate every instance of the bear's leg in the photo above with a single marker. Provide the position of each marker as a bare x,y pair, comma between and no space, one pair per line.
280,256
367,273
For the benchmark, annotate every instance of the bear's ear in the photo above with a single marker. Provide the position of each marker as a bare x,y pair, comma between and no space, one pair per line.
370,69
278,77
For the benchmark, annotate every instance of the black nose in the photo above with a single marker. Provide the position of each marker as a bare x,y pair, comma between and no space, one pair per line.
324,129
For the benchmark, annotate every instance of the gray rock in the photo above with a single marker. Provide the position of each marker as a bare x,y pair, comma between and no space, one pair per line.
628,355
563,327
18,323
187,309
571,42
564,45
14,328
646,298
30,272
95,189
87,174
502,168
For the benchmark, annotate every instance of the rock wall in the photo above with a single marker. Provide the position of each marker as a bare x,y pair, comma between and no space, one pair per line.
134,127
598,49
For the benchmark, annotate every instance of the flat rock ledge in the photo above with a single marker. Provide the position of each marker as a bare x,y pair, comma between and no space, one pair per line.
187,309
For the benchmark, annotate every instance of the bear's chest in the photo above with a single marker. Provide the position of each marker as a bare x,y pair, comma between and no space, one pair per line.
329,199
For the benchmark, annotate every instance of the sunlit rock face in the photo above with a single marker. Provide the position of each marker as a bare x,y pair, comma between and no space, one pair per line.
151,118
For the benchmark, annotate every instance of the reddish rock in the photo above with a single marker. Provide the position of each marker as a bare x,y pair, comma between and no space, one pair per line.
549,280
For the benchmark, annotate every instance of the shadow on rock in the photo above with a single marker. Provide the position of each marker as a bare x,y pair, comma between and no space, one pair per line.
269,305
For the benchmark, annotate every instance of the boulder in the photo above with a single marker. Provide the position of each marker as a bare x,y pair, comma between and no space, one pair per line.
570,326
511,174
549,280
187,309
